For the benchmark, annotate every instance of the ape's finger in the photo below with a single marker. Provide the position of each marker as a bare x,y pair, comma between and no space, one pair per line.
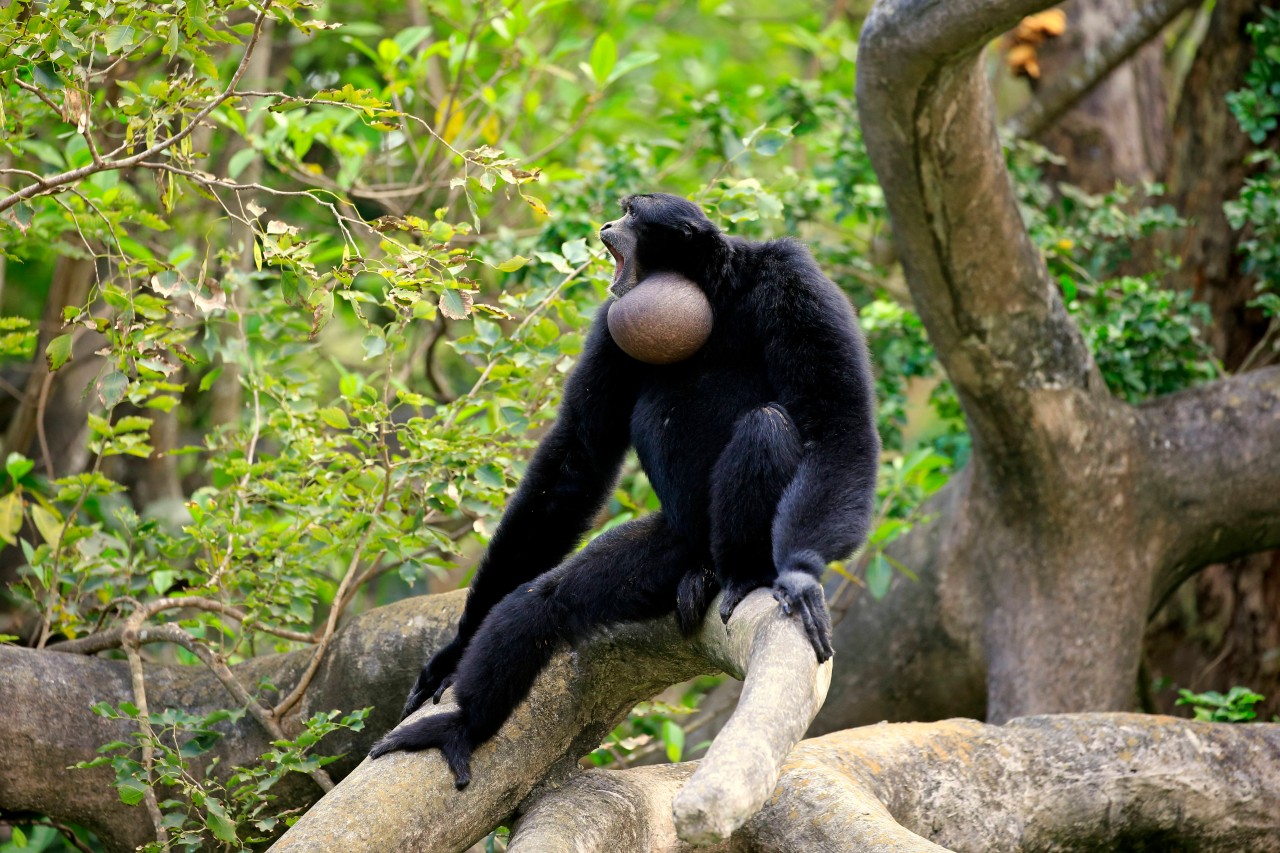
813,629
445,684
784,600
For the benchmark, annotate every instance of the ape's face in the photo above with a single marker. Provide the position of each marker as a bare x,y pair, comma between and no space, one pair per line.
656,232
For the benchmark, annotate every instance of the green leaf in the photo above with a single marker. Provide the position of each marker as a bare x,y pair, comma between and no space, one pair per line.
490,475
46,77
240,161
162,579
58,351
206,381
576,251
879,573
118,37
18,466
112,388
19,838
631,62
10,517
604,56
513,264
673,737
335,418
374,345
131,792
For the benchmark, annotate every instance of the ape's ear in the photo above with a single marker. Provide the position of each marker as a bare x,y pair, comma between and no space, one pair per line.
691,228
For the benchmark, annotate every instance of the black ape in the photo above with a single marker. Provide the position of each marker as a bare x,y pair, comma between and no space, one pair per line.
762,448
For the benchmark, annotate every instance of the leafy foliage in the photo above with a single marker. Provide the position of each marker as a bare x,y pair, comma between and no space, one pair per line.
1147,340
1213,707
203,810
1257,106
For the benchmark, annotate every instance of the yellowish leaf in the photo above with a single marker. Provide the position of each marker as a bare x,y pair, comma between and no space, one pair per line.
48,523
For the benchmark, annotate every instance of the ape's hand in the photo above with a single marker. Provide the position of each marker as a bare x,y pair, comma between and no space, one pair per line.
436,676
800,592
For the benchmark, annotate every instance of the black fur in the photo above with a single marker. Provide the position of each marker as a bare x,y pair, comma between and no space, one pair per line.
761,447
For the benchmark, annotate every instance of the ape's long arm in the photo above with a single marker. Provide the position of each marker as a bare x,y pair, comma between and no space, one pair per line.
563,488
568,478
818,364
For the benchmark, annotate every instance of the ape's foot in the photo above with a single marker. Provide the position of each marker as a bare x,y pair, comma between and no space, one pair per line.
734,592
445,732
436,677
801,592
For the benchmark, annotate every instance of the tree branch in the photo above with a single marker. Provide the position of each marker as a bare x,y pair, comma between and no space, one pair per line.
1052,101
48,724
576,701
1213,473
1080,781
783,688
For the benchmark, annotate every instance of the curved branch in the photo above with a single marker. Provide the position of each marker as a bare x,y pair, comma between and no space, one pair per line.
576,701
782,690
1212,472
1079,781
1051,102
977,279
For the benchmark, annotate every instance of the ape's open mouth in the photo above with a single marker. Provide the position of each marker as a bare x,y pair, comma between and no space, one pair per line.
618,262
622,247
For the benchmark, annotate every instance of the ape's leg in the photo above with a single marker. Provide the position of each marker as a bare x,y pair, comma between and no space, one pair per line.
746,484
627,574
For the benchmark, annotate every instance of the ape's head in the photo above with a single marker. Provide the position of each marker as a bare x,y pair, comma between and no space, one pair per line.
660,232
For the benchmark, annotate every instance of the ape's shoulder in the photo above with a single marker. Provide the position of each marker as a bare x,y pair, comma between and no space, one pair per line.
783,275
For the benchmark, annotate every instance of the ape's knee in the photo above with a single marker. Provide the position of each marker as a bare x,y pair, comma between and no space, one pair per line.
768,436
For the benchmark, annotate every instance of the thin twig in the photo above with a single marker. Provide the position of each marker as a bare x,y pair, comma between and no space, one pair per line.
112,639
537,309
171,633
1264,350
339,599
138,681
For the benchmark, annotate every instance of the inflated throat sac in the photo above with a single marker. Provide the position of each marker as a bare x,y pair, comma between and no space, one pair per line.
665,318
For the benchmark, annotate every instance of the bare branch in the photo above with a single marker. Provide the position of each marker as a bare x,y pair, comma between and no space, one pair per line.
1052,101
111,639
173,634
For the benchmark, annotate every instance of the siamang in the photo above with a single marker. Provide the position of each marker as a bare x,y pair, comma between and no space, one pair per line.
761,447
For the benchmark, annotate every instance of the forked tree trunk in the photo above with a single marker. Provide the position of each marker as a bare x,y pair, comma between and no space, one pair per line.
1079,512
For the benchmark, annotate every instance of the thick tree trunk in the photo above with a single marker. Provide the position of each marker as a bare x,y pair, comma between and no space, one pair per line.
1223,629
1079,510
1118,131
1206,168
